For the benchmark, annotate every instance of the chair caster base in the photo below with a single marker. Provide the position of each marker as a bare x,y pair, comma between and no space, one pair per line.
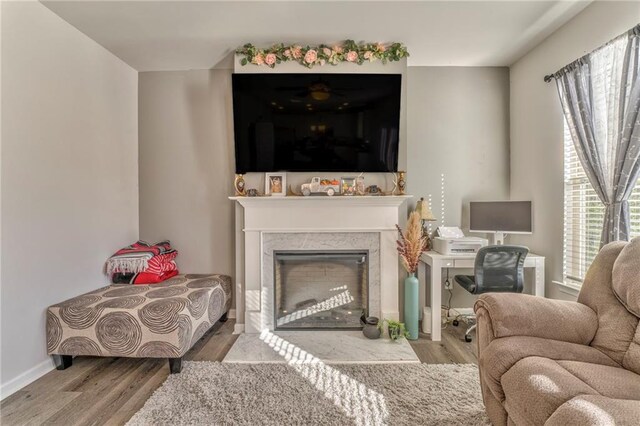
467,338
455,323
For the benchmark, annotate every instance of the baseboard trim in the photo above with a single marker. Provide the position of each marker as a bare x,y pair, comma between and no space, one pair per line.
29,376
238,329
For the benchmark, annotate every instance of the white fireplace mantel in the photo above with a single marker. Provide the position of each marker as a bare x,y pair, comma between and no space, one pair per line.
257,216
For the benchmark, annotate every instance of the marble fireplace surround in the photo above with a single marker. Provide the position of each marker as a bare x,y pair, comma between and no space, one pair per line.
265,224
318,241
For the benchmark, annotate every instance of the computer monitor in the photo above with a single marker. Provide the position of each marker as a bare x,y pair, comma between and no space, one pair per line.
499,218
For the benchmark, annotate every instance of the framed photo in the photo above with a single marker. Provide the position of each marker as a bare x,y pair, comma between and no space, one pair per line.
348,186
275,184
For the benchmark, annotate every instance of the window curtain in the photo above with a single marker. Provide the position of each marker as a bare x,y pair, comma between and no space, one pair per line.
600,96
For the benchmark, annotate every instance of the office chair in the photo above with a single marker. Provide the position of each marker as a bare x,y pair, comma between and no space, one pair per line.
496,269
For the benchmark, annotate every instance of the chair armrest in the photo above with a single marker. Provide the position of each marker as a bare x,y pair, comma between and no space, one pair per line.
512,314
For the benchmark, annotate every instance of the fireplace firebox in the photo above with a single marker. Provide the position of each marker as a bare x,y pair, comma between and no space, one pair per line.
320,289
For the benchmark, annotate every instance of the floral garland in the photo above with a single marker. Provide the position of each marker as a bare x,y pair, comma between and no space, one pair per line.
349,51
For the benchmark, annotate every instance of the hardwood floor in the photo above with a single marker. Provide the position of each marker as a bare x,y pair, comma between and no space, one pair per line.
108,391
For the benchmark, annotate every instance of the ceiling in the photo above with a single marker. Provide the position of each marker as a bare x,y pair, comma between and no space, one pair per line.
182,35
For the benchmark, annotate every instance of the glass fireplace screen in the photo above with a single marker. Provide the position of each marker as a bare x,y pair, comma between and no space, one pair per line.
320,290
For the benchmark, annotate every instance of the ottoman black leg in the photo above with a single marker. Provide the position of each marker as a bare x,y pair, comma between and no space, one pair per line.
224,317
62,361
175,365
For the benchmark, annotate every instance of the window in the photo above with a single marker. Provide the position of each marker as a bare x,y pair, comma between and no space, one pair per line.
583,216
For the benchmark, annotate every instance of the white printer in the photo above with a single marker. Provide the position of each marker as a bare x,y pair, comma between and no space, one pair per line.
451,240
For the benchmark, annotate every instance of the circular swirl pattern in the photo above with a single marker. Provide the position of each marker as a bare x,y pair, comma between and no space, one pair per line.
172,281
216,304
174,290
200,331
80,345
203,283
54,332
161,316
126,290
80,317
157,349
84,300
198,302
126,302
225,283
119,333
184,332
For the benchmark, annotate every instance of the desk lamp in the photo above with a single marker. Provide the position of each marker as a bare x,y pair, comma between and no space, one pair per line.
422,207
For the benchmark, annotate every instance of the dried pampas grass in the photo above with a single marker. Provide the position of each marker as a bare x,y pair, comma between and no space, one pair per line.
412,243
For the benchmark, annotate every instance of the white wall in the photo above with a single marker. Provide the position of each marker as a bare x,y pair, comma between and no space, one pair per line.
186,129
458,143
69,175
187,166
454,122
537,125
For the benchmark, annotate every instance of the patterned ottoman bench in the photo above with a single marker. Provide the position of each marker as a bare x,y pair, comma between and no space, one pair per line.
140,321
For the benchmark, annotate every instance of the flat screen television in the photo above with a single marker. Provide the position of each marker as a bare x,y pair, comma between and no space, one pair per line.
316,122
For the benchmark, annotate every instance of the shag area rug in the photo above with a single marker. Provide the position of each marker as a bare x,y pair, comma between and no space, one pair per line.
208,393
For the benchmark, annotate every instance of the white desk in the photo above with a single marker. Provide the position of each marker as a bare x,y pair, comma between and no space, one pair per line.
436,262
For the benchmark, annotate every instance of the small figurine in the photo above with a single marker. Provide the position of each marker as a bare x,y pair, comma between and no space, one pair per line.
402,182
252,192
239,185
320,186
373,190
360,189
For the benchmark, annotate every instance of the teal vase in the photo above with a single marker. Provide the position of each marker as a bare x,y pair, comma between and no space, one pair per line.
411,306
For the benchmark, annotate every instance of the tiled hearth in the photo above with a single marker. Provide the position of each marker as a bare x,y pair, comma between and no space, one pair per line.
328,347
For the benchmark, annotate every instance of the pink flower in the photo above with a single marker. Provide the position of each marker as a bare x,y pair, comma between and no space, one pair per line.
380,47
352,56
287,53
326,51
270,59
297,52
337,49
311,56
368,55
258,59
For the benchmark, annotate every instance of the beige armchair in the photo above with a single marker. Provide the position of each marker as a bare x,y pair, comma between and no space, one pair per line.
553,362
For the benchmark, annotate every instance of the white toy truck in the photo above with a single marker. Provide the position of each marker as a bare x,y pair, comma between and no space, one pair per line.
320,186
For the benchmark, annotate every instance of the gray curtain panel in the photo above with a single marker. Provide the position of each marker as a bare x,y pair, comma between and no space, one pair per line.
600,96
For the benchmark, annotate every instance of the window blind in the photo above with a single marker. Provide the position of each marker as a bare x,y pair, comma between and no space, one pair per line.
584,215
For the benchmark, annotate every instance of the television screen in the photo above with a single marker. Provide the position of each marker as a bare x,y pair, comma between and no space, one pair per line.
316,122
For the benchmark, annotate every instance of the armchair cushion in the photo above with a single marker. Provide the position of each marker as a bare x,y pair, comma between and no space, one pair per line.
626,277
502,354
536,387
616,324
595,410
614,382
525,315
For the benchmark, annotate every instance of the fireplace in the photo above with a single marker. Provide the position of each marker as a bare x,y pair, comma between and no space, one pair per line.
325,225
316,289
